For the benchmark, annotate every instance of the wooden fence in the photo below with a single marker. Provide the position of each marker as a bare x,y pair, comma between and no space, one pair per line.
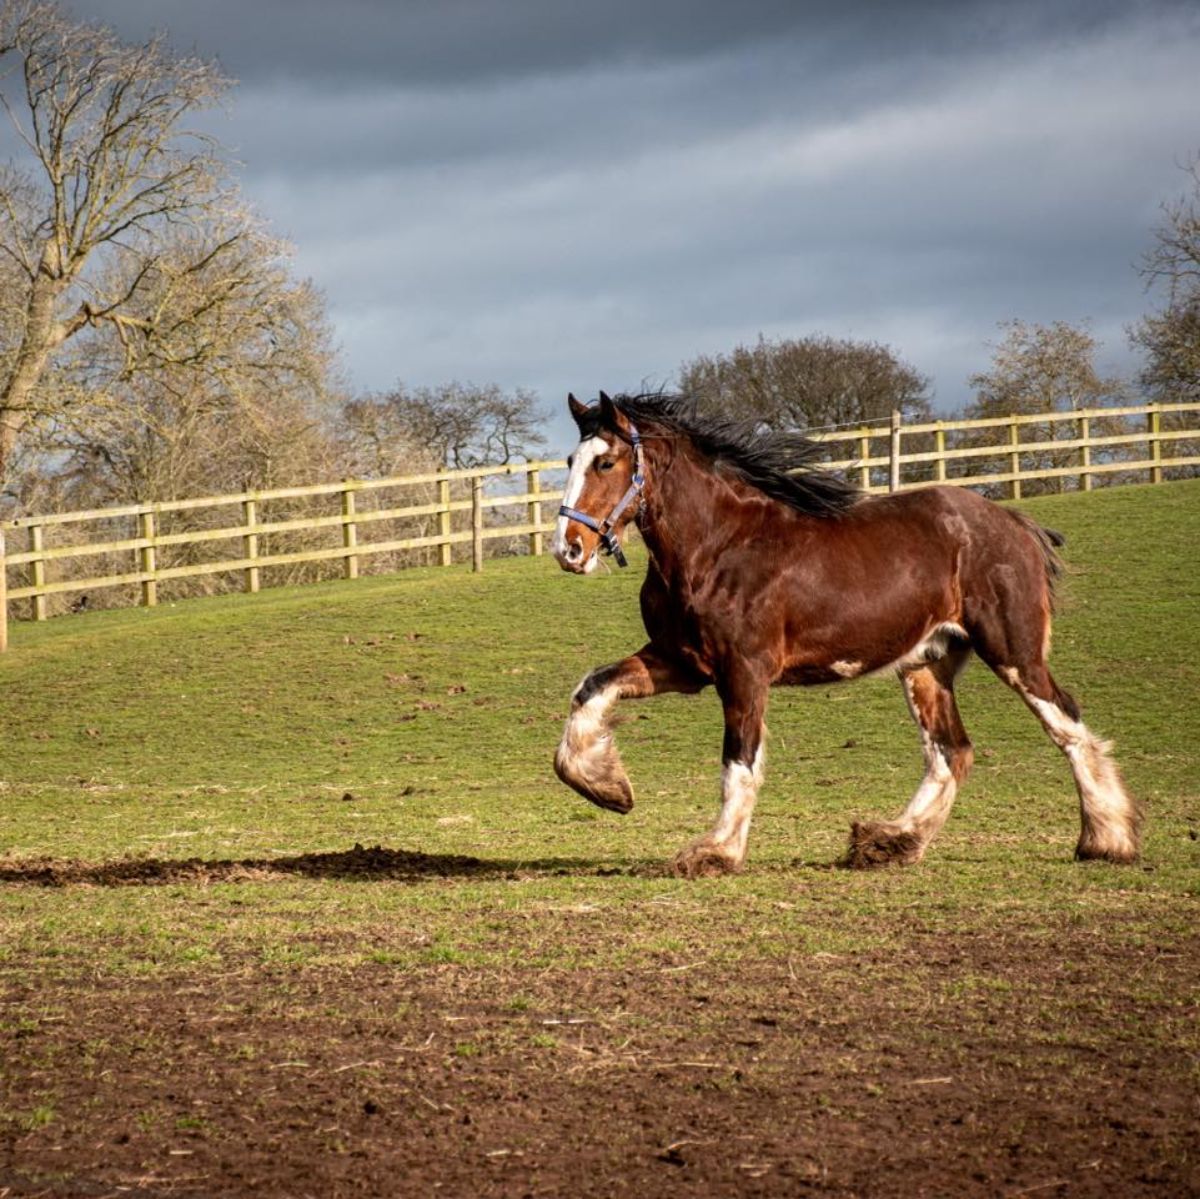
1136,446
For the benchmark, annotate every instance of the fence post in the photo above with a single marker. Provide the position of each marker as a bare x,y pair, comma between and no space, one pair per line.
445,549
349,530
37,572
894,454
864,453
250,545
1085,454
1154,423
148,559
3,597
939,440
1014,460
477,523
533,486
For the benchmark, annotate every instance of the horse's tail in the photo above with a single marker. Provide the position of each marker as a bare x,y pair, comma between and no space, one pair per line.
1049,542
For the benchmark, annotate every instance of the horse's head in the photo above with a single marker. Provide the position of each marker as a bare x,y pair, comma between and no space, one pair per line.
603,489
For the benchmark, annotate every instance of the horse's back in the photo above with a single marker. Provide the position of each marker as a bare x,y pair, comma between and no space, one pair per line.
981,534
878,580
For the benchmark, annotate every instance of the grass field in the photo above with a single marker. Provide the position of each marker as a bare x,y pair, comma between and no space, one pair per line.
291,902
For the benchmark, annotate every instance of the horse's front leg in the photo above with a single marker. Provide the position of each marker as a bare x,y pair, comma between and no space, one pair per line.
723,850
587,757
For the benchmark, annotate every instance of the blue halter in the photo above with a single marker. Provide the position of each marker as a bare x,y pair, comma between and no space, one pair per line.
605,527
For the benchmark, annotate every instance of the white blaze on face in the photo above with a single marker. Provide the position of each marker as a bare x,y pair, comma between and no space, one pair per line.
586,453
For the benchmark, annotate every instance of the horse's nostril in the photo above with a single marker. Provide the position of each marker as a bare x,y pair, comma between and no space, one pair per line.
574,551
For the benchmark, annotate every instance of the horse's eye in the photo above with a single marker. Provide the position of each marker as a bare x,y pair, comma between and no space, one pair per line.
605,464
570,461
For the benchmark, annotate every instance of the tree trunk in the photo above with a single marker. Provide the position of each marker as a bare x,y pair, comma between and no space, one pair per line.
42,335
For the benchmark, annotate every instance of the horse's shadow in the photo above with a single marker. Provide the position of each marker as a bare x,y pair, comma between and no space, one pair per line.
359,864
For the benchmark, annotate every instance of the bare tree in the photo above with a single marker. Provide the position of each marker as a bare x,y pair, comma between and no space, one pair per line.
1043,368
377,443
809,383
461,425
109,170
235,395
1170,337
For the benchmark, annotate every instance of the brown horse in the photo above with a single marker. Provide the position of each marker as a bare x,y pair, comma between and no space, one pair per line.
766,570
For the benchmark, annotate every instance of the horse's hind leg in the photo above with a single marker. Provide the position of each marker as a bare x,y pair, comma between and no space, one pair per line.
587,759
1007,614
1109,818
948,758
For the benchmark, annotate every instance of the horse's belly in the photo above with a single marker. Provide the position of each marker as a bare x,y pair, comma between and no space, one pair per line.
852,659
854,629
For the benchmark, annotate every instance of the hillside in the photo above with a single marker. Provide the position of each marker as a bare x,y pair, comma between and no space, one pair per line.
437,694
291,902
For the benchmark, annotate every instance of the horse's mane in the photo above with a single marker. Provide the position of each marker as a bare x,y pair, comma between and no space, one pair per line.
783,465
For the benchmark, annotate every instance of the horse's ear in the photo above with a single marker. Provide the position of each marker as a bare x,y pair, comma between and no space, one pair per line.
612,417
578,411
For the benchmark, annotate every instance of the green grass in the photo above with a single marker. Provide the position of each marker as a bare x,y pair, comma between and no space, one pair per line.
420,712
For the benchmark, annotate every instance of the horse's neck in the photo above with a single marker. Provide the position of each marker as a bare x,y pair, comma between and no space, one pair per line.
688,508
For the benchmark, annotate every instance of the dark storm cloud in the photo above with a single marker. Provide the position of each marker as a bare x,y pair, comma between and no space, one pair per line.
445,42
564,195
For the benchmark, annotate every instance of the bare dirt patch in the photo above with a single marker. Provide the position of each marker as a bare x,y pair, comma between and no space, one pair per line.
976,1065
374,863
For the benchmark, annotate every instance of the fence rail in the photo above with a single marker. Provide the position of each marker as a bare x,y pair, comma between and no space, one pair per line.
482,502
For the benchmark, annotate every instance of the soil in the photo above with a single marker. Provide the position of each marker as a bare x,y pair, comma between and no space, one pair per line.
829,1075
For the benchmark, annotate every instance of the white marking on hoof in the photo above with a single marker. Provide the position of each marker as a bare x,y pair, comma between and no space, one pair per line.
1109,816
739,790
930,806
587,757
724,849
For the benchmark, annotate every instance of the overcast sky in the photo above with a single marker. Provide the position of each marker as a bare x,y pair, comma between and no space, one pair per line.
561,195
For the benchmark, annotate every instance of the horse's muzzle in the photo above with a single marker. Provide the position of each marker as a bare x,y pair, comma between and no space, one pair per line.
571,557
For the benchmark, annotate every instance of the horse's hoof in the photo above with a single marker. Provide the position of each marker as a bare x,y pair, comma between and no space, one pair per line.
704,860
875,844
606,784
617,796
1121,852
